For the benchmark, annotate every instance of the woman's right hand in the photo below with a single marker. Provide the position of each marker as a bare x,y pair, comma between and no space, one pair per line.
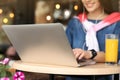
80,54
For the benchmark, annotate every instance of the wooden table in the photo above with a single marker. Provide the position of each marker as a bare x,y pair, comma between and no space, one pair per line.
97,69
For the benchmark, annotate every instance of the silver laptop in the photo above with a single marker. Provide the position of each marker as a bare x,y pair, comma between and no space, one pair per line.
42,43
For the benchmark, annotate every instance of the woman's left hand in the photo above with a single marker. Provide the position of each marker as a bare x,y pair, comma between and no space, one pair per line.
80,54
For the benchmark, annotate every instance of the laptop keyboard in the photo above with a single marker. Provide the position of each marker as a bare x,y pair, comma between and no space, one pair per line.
84,62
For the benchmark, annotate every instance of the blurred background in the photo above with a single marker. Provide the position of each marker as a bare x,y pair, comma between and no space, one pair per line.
38,11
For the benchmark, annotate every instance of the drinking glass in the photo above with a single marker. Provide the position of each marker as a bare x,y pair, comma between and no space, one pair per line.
111,48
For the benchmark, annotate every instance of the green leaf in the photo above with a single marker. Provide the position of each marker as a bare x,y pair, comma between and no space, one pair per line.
9,74
3,73
2,67
7,67
1,57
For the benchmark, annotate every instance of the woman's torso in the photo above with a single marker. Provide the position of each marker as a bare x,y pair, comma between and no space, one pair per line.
77,32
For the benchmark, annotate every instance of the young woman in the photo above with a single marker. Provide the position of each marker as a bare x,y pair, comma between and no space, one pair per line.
86,32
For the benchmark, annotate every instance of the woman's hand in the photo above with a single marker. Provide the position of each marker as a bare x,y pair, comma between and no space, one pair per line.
80,54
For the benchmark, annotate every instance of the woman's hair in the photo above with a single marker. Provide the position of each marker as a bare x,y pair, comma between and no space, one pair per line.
106,4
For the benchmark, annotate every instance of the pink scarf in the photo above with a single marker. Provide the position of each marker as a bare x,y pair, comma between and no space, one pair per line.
91,28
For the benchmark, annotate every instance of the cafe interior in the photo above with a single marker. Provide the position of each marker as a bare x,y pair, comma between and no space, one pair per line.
37,12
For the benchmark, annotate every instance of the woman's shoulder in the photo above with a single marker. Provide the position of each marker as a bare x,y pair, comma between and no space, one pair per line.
74,20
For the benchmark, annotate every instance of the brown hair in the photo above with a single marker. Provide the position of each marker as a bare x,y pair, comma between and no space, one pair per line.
106,4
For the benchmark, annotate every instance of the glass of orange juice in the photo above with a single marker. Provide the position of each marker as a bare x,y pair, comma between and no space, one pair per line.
111,48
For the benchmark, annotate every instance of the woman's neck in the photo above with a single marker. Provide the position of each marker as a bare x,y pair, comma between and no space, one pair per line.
97,15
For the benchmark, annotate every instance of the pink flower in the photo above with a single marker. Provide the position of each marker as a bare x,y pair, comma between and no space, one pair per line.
6,60
19,76
5,78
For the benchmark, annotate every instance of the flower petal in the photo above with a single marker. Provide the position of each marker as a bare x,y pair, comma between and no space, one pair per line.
5,78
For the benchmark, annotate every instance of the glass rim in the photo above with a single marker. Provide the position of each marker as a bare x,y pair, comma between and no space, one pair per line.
111,36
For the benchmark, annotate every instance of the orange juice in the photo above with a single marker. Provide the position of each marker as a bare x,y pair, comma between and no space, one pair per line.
111,50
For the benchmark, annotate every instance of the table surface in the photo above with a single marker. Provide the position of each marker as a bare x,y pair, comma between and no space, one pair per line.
96,69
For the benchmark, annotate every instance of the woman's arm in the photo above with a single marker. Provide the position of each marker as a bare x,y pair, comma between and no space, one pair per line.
80,54
100,57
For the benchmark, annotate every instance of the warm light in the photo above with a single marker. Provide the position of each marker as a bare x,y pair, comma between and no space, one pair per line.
11,15
5,20
76,7
1,11
57,6
48,17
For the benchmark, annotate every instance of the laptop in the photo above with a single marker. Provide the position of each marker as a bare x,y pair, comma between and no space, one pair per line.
43,44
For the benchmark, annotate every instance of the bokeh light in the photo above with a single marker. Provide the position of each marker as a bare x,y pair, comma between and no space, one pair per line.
57,6
48,18
76,7
1,11
11,15
67,14
5,20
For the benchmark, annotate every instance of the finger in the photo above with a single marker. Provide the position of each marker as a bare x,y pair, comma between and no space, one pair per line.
77,55
77,52
81,56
